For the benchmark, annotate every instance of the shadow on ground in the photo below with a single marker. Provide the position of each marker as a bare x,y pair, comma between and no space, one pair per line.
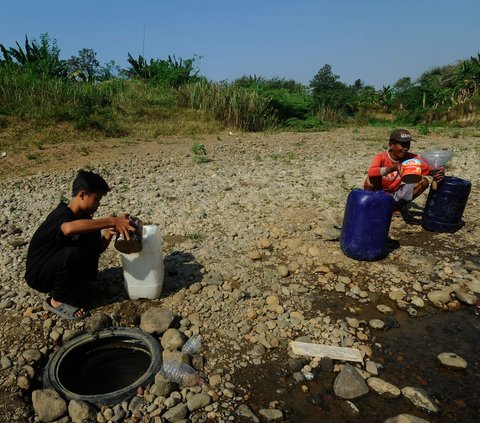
180,271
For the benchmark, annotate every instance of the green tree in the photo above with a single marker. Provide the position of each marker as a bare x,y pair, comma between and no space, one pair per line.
330,94
39,57
85,66
468,76
109,70
287,97
385,98
171,72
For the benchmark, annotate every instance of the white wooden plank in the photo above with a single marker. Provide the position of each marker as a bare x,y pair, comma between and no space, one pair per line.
335,353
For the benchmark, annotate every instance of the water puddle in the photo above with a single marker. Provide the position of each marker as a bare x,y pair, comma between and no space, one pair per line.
407,353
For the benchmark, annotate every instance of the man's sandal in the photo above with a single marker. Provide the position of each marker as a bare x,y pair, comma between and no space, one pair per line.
64,310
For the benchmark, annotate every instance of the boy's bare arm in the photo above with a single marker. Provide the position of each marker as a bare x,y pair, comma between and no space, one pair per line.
120,224
108,234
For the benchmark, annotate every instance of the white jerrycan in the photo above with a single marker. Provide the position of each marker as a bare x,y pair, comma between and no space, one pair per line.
143,272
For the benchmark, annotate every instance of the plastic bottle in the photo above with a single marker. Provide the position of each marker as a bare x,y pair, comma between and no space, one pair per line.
193,345
180,373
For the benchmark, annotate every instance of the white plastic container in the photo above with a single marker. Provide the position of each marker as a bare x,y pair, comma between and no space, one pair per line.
143,272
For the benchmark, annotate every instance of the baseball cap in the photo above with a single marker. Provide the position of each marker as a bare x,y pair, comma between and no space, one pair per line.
400,135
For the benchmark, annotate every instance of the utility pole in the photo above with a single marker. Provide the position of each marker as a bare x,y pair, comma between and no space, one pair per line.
143,44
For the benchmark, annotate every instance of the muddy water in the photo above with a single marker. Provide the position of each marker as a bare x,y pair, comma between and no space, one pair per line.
407,353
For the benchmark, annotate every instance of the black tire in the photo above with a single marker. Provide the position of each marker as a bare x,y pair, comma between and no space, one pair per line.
53,376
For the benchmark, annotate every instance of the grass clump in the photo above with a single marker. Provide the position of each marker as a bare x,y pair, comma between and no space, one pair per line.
200,153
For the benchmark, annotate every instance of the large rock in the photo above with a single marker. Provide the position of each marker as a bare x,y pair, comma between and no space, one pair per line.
48,405
156,320
349,384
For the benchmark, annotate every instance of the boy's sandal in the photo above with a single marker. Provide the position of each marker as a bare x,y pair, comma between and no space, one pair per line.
64,310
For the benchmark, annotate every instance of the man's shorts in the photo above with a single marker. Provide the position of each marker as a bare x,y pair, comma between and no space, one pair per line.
404,194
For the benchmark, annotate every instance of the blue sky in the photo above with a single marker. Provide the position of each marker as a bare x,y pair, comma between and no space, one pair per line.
378,41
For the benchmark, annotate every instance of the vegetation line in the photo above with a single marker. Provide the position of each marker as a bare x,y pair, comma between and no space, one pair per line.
79,98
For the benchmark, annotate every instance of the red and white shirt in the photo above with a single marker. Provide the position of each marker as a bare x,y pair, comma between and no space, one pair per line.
391,181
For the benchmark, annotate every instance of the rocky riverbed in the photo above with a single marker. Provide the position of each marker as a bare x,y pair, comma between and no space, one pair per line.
251,251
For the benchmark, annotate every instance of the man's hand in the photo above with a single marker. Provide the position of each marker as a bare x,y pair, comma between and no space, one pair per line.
438,174
395,168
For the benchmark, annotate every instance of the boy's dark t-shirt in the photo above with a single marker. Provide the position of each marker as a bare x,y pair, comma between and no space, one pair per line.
48,239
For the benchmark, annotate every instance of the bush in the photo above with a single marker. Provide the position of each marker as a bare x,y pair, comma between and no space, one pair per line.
310,124
233,106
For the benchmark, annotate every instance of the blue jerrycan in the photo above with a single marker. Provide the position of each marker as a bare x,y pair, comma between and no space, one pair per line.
366,223
445,205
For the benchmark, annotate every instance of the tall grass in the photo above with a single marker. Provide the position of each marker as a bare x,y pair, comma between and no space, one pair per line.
231,105
115,107
102,106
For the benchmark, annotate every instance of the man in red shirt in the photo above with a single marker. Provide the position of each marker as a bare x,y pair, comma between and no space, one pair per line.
384,173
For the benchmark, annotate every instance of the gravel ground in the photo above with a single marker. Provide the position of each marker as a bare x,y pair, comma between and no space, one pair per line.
250,244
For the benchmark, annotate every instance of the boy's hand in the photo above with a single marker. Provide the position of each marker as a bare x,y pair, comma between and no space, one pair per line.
109,233
122,225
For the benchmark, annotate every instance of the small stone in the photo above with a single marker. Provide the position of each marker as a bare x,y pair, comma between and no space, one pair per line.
156,320
173,339
282,271
352,322
198,401
32,355
376,324
254,255
97,322
244,412
406,418
176,413
81,411
215,380
438,298
23,383
5,363
383,388
419,398
271,415
384,309
466,298
453,360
